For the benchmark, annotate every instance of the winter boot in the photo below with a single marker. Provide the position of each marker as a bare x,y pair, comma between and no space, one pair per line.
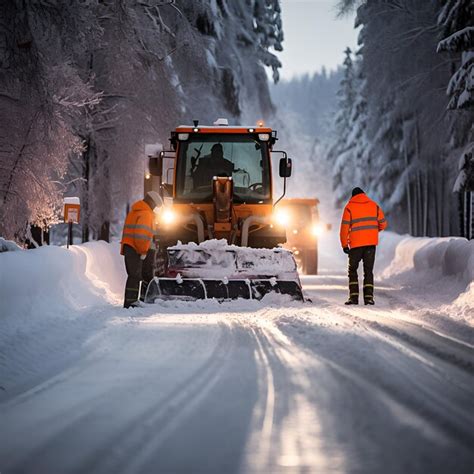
138,304
351,301
369,300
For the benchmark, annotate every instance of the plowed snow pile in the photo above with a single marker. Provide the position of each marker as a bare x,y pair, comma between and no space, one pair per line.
55,281
216,259
434,266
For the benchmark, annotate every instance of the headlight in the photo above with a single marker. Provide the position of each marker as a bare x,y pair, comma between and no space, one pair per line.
318,230
282,217
168,216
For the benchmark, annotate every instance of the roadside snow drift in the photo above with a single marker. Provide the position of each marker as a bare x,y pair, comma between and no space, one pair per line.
55,280
450,256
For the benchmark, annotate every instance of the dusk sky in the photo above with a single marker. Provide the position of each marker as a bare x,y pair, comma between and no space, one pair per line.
314,36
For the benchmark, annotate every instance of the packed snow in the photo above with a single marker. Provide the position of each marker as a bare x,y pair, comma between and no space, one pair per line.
242,386
8,245
215,258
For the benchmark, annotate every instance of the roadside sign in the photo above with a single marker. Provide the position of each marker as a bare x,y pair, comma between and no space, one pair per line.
72,210
72,215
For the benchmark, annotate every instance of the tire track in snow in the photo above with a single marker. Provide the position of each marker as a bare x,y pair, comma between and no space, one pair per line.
419,375
266,383
78,415
159,421
285,434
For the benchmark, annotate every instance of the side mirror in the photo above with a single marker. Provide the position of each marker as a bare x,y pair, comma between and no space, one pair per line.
286,166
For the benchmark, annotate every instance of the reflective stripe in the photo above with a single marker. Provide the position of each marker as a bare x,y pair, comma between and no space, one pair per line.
138,226
363,219
136,236
353,294
368,285
346,222
364,227
132,289
353,283
381,221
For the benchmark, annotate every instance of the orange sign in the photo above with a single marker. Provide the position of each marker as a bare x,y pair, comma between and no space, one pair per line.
72,213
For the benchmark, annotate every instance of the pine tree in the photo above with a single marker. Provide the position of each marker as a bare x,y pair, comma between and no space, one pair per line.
269,30
342,152
456,19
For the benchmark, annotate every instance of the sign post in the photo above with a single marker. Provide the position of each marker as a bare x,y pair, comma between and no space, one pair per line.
72,214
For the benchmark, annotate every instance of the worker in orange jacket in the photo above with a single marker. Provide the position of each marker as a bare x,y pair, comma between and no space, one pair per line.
361,223
136,241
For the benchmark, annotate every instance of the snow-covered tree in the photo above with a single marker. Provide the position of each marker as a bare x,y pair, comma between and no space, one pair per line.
85,85
268,27
341,152
406,139
457,20
41,96
349,151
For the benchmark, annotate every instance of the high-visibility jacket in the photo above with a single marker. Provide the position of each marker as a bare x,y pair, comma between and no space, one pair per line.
361,223
138,228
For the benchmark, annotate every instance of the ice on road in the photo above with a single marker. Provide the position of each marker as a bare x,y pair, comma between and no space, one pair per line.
258,387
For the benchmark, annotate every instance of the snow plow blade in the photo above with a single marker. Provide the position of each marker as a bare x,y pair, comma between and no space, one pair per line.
214,269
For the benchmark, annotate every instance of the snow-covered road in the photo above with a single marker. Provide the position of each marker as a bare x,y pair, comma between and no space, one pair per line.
234,387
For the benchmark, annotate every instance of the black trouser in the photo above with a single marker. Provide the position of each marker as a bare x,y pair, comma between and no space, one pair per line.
138,270
367,255
134,267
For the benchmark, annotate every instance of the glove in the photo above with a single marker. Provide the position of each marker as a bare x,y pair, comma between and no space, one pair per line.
142,257
346,250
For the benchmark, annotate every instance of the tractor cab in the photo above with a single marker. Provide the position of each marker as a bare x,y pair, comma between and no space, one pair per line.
218,182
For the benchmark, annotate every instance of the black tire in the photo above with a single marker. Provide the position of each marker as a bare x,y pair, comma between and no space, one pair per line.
161,262
310,261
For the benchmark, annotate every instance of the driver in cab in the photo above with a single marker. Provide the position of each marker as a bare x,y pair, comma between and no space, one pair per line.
212,165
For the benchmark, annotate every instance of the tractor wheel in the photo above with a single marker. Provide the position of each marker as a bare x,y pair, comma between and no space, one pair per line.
310,261
161,262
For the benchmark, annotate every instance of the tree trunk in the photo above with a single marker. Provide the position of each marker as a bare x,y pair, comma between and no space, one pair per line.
425,204
105,231
85,192
468,215
408,191
461,214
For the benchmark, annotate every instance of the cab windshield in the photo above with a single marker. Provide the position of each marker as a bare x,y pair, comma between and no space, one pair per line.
242,157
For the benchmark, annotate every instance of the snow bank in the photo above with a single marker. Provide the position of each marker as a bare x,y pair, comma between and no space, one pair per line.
8,245
52,302
449,256
445,265
52,280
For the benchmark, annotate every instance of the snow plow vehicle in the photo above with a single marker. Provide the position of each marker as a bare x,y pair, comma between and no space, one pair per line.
216,235
301,219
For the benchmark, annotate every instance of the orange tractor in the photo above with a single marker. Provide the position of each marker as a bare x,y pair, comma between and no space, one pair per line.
216,235
301,219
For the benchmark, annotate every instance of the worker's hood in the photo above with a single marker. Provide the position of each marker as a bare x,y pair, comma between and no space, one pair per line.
141,206
360,199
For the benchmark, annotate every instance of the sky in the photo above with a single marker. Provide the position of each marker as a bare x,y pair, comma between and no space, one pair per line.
314,36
